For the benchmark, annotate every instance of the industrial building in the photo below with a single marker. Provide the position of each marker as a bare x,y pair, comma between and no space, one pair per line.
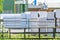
14,6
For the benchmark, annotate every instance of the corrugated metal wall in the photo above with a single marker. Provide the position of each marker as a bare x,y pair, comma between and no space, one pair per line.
20,8
8,5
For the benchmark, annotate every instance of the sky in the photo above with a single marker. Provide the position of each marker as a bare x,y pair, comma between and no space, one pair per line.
48,1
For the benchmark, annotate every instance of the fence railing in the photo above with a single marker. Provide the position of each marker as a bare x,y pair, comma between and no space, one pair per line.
31,34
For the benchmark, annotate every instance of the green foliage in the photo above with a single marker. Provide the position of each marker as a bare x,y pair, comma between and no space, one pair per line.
1,0
1,6
17,36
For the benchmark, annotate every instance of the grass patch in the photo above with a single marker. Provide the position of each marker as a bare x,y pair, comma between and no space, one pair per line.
18,36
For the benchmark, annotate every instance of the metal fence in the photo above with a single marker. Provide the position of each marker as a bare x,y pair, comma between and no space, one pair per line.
29,34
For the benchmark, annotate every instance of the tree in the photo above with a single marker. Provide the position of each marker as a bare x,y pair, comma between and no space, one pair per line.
1,6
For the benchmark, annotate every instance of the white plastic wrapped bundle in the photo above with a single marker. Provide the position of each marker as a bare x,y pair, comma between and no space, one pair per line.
58,17
50,23
50,19
33,20
43,14
58,22
57,29
29,19
42,22
58,13
12,16
42,19
50,15
34,30
15,20
44,30
34,15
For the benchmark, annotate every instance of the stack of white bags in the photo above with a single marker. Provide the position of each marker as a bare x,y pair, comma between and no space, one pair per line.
14,20
29,20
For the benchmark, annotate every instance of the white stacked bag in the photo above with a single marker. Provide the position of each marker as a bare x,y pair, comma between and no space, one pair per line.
29,20
42,19
58,22
58,17
46,30
50,19
42,22
57,29
33,20
14,20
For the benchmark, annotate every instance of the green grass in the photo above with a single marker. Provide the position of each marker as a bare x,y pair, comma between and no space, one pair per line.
17,36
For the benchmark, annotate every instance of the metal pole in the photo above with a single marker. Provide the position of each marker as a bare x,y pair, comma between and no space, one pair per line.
39,33
24,33
54,29
55,19
9,33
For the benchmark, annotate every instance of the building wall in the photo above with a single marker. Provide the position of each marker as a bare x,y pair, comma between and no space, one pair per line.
8,5
21,6
11,7
39,9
